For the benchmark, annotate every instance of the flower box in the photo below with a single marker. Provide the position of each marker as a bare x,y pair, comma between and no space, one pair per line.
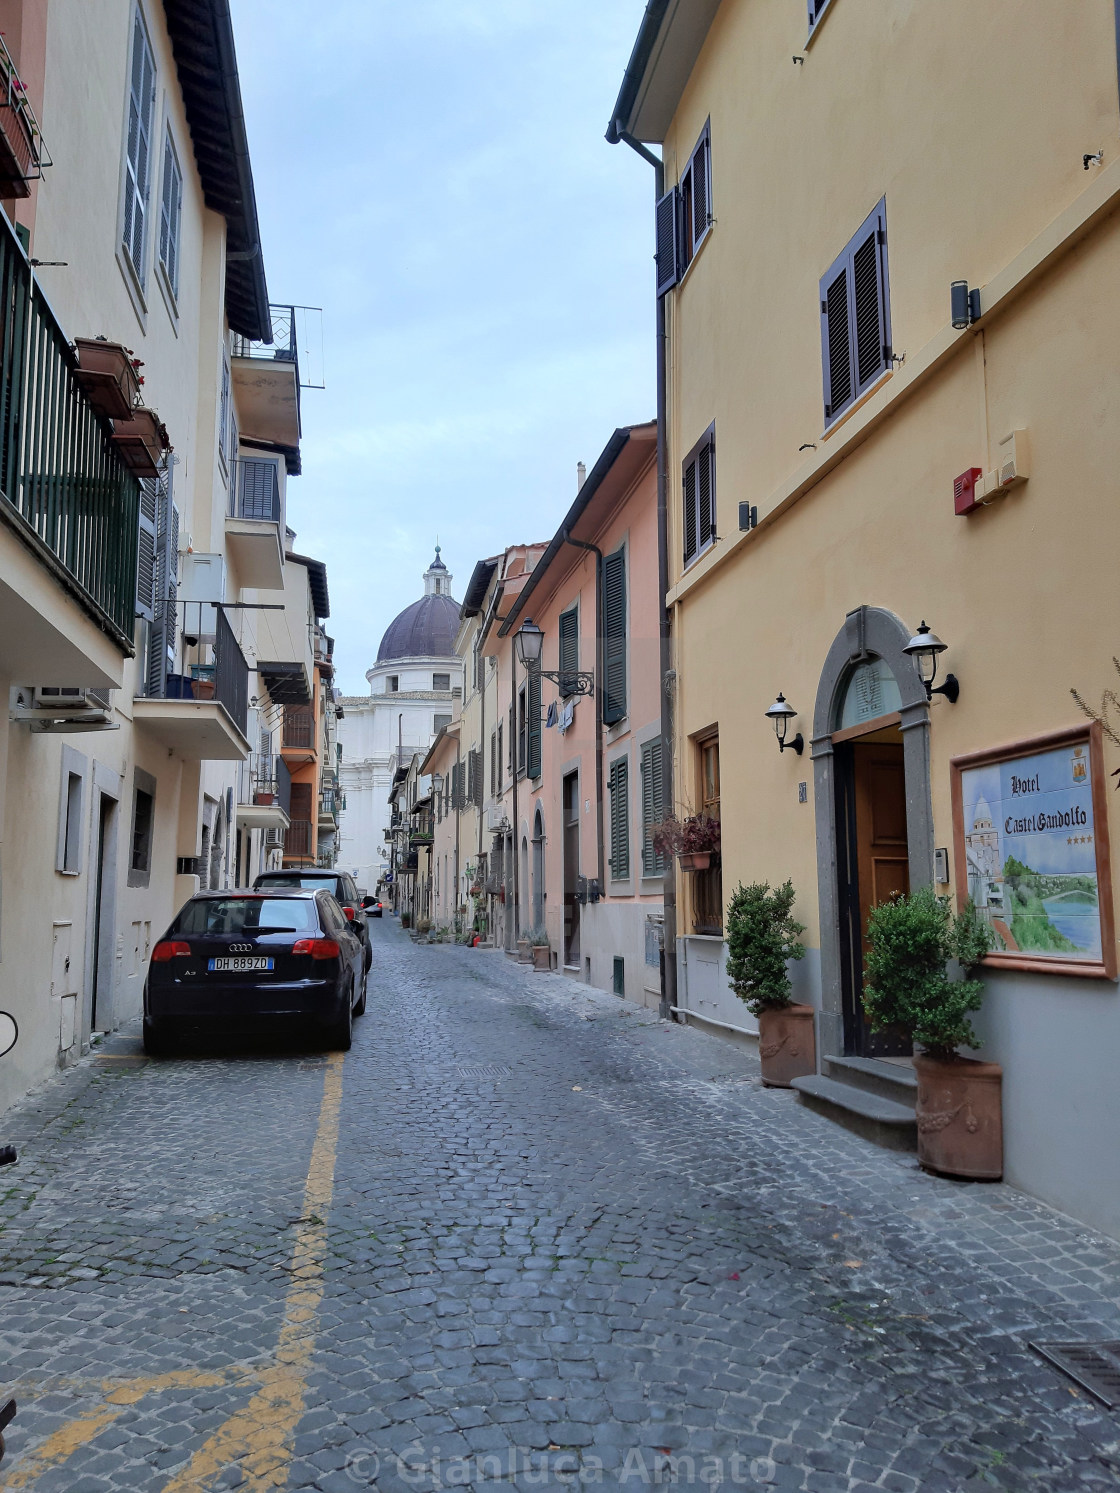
696,860
264,800
21,145
107,376
141,441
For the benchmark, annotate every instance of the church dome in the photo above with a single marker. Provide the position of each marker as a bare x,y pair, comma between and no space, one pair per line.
427,628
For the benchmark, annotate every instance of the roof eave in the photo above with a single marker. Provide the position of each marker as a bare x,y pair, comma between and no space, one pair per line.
670,37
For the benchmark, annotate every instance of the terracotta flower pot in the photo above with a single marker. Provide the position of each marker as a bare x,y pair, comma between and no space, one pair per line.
695,860
787,1045
960,1117
541,960
523,954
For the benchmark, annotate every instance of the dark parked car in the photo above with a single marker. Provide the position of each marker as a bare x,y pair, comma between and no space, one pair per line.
372,906
239,962
338,883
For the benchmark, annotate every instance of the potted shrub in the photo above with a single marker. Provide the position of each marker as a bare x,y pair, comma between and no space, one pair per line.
406,919
694,841
109,375
524,955
541,949
908,988
762,937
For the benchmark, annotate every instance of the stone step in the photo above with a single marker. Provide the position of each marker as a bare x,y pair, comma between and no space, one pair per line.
896,1081
883,1121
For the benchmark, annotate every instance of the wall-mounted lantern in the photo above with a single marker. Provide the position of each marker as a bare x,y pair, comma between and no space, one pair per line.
923,648
781,713
528,642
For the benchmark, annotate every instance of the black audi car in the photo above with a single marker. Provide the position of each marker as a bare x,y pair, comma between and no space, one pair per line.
240,963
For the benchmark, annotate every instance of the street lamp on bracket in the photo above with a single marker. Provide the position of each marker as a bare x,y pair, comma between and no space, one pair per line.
528,641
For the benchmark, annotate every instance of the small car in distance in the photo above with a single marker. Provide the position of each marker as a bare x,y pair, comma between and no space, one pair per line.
340,885
242,963
371,906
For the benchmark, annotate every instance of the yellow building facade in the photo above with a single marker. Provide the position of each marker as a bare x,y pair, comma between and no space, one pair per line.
843,464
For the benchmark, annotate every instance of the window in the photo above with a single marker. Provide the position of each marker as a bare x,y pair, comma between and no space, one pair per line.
441,681
855,316
707,886
614,640
170,215
684,215
501,760
392,684
817,9
653,806
569,650
474,776
143,825
71,803
618,786
223,412
439,721
699,489
137,170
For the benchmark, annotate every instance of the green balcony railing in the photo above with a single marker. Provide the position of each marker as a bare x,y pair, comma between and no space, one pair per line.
61,481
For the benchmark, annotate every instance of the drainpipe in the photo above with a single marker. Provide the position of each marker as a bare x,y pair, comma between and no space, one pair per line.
594,549
669,961
515,751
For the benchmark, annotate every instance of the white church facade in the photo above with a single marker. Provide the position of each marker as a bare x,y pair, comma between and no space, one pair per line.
410,695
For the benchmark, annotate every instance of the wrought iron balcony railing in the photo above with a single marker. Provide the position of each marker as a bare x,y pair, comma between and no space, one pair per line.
254,491
210,667
264,781
299,727
22,153
64,488
298,838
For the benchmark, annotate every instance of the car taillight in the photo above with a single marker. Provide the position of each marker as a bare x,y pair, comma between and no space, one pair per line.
318,948
350,914
169,949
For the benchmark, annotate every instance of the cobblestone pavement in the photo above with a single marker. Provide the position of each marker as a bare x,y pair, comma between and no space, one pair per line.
566,1243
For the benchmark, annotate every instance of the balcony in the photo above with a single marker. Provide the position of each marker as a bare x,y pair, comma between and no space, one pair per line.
299,732
266,386
200,712
264,793
298,840
22,154
254,524
69,510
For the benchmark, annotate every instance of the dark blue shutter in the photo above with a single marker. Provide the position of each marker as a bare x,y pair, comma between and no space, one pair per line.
666,215
701,189
533,704
690,524
706,490
614,640
855,316
569,650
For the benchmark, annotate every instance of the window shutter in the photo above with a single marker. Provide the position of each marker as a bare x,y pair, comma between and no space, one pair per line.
868,262
706,491
614,641
855,316
161,654
146,553
569,651
533,705
701,189
619,786
690,524
667,213
835,337
653,807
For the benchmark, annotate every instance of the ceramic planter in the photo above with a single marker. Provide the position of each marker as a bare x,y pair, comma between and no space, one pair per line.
695,860
523,954
960,1117
107,377
140,441
541,959
264,800
787,1045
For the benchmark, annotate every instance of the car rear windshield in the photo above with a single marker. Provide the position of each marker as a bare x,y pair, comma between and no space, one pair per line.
309,883
218,915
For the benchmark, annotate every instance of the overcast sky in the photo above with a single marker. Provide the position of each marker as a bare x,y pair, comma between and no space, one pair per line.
434,175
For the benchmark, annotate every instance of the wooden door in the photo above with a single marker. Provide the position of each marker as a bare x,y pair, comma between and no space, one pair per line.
882,854
571,869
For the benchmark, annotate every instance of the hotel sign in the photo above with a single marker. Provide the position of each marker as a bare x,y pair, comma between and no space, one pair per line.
1031,840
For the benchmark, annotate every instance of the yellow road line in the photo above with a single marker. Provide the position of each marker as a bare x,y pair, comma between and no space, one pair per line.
258,1438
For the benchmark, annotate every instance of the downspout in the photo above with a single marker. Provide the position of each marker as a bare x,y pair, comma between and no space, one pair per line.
458,819
515,752
669,960
598,553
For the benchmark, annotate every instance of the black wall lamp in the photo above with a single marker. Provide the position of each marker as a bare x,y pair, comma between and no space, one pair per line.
781,713
923,648
965,305
528,642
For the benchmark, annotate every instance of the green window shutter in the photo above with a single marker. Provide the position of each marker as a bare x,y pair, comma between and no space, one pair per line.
653,807
614,641
619,786
533,702
569,649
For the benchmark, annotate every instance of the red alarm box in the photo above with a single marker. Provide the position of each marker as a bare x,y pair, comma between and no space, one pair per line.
964,491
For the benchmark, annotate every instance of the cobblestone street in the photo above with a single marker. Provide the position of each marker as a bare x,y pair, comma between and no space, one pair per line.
564,1241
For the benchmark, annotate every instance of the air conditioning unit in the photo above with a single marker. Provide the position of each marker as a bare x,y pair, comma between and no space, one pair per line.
496,821
274,839
56,698
57,709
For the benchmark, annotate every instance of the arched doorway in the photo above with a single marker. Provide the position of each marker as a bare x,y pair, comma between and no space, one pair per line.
871,776
538,868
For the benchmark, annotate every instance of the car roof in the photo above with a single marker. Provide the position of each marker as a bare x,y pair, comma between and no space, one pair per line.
306,871
256,894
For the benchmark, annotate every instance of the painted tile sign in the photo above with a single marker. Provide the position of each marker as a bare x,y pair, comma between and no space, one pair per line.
1027,827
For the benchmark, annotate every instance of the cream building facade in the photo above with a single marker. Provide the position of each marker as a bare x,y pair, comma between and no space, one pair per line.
117,806
853,448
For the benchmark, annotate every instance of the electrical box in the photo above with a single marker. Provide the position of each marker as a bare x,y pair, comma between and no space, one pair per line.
964,491
976,489
941,865
1014,460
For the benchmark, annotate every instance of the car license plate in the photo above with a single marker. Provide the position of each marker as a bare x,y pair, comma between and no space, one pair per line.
235,966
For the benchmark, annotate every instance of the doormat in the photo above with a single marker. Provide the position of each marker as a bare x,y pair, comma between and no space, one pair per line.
1095,1366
